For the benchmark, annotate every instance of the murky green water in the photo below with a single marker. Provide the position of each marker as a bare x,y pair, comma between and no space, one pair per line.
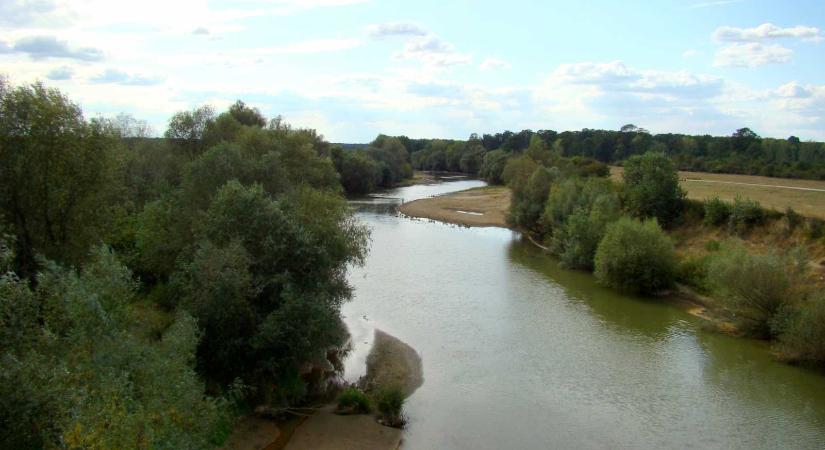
519,353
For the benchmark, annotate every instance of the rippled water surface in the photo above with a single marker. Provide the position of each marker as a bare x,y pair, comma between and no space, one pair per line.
519,353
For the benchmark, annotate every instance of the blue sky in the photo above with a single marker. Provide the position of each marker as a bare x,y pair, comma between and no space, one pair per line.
355,68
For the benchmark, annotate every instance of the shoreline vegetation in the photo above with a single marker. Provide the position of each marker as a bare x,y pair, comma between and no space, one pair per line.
190,277
391,363
691,240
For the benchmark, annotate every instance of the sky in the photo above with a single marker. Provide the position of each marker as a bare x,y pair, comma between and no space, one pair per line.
437,69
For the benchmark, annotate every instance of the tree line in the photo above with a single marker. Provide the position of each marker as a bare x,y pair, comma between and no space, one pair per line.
151,288
744,152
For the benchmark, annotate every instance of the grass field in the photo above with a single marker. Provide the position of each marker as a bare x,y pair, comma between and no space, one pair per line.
807,197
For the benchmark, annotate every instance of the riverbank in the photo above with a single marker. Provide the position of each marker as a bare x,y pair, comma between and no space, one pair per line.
479,207
391,362
488,206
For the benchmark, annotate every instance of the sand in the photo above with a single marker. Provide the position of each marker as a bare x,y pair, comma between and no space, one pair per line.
480,207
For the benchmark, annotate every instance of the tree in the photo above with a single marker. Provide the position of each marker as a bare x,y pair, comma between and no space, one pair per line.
267,281
247,116
57,174
359,173
652,188
82,369
636,257
493,166
187,129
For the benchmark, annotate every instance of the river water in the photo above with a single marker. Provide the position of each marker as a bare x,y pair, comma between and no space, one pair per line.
519,353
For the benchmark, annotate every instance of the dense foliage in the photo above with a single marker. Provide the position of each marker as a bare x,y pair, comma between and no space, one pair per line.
743,152
213,257
652,188
636,257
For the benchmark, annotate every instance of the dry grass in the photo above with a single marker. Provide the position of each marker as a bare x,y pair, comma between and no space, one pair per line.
480,207
807,197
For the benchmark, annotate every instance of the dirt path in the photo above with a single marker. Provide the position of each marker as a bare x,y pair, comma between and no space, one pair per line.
480,207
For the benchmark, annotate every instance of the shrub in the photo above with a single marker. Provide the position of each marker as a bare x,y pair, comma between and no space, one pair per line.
652,187
717,212
816,228
792,220
746,214
636,257
693,271
353,401
804,339
577,240
390,402
753,287
713,245
694,211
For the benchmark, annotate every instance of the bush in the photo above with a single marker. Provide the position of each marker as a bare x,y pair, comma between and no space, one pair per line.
636,257
745,214
713,245
390,402
353,401
717,212
693,271
804,339
753,287
577,240
694,211
816,228
793,220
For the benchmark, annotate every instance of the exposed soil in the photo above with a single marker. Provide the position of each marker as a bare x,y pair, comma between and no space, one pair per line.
391,362
326,430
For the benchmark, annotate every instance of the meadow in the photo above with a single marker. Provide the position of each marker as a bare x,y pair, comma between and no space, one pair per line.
807,197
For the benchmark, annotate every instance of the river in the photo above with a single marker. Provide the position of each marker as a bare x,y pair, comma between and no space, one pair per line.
521,354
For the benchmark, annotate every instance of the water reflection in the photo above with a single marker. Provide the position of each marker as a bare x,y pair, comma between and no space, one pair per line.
519,353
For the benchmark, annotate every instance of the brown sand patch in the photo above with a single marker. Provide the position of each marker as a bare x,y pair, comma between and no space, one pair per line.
480,207
392,363
326,430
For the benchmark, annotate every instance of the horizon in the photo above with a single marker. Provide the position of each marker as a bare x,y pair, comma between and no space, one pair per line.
354,69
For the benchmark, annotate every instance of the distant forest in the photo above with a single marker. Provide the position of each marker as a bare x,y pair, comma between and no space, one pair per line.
744,152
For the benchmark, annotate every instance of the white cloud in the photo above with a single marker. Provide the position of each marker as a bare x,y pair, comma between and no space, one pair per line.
594,73
794,90
119,77
752,54
588,94
433,51
390,29
767,31
42,47
493,63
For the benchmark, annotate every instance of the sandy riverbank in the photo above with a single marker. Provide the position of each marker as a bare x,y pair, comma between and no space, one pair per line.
391,362
480,207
